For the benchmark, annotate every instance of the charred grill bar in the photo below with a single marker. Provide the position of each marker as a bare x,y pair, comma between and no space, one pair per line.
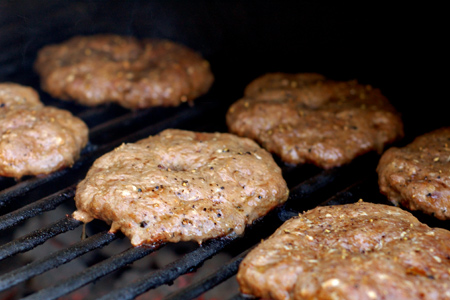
242,41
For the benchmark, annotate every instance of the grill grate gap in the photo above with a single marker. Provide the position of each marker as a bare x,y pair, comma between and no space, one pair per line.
353,193
9,194
210,281
36,208
38,237
56,259
28,26
177,120
168,274
301,191
90,274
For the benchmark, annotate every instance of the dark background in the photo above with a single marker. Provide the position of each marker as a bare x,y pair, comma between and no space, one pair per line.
397,48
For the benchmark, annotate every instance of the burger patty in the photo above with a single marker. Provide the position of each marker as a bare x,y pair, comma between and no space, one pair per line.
16,96
36,139
304,118
97,69
357,251
418,176
180,186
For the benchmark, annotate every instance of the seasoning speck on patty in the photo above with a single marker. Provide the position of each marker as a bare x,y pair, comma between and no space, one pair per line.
305,118
418,176
134,73
361,251
181,186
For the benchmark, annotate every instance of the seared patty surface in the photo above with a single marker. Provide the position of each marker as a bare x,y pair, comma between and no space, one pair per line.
97,69
181,186
359,251
36,139
418,176
304,118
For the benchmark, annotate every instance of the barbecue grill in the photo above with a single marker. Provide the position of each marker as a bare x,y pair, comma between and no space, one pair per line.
242,40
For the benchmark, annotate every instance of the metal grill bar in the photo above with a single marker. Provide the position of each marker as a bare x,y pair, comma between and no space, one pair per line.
210,281
172,271
38,237
301,191
7,195
27,26
362,190
198,256
97,271
36,208
351,194
104,128
56,259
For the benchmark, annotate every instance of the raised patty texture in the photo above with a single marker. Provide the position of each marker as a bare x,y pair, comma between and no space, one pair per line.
36,139
417,176
180,186
134,73
16,96
357,251
305,118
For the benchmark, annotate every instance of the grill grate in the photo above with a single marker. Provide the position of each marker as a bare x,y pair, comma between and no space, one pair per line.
210,281
319,184
236,51
308,185
93,273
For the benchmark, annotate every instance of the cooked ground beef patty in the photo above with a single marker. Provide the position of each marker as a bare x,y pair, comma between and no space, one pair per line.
418,176
305,118
36,139
97,69
16,96
180,186
357,251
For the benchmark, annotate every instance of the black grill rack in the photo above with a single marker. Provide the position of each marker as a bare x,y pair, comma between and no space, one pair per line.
242,41
309,187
